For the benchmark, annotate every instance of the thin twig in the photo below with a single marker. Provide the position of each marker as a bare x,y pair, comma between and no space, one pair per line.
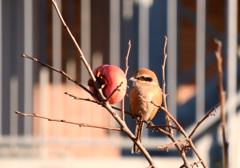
96,102
167,114
71,79
126,70
126,58
122,123
116,89
68,122
171,136
62,73
196,163
99,90
222,96
74,40
122,109
85,99
128,132
171,144
165,126
196,153
203,119
164,80
151,125
184,134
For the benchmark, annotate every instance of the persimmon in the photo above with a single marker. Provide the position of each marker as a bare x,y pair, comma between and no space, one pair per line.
110,78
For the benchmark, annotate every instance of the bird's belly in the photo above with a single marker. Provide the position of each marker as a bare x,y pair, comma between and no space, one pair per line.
139,106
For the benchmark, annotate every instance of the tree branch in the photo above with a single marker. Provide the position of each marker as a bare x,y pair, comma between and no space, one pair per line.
189,140
203,119
105,104
68,122
164,80
96,102
222,96
126,58
74,41
117,88
126,71
171,144
99,90
165,126
62,73
171,136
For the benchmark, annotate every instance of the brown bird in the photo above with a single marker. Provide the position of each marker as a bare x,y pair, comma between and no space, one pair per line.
145,87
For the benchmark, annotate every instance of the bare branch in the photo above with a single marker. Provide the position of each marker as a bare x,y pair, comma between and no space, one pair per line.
127,131
183,132
126,59
74,40
68,122
196,152
168,114
122,109
164,79
164,126
171,136
151,125
62,73
93,101
122,123
99,90
126,70
171,144
196,163
163,76
116,89
222,96
84,99
203,119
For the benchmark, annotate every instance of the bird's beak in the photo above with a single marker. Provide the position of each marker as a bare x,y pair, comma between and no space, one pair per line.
132,79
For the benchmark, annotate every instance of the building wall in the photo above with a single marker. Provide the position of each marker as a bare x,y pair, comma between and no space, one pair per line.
103,29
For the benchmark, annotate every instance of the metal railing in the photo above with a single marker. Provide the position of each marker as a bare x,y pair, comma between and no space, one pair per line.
22,32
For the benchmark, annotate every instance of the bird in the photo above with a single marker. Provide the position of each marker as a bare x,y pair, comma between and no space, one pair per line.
145,90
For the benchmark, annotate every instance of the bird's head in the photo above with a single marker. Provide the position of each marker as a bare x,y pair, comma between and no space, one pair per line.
144,77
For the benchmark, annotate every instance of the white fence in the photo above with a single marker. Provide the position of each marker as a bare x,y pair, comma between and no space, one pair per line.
103,29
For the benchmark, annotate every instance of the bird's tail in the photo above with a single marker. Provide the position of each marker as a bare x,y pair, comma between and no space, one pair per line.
138,134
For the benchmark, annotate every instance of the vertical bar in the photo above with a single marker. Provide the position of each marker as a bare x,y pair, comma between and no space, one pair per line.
127,9
172,54
86,48
231,79
200,59
44,97
143,44
115,32
56,43
1,94
57,61
13,105
144,33
114,42
85,37
28,70
6,74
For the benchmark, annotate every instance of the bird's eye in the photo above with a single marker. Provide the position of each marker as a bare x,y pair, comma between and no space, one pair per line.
145,78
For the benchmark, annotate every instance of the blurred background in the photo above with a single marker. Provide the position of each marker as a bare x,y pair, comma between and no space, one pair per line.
103,28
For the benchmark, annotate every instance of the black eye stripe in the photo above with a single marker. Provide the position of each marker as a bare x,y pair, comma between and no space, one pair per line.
145,78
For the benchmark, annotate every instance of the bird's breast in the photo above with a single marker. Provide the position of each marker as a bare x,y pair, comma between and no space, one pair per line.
138,104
